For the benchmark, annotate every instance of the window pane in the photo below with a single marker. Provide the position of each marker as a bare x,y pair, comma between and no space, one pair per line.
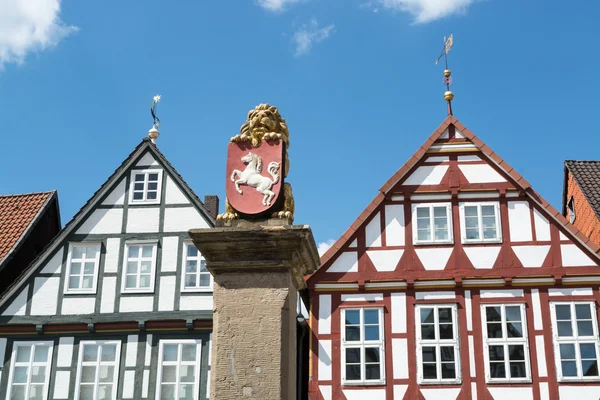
17,393
428,332
494,331
446,331
496,353
353,372
513,313
86,392
516,352
145,281
88,268
139,178
564,328
147,251
427,315
589,367
105,392
170,352
517,370
569,368
371,354
488,210
74,282
582,311
563,312
132,267
448,371
371,332
514,329
587,350
441,235
87,282
186,392
472,233
23,353
109,352
167,392
36,392
88,374
186,373
567,351
352,333
188,352
20,374
424,236
470,211
489,222
352,317
153,186
371,317
169,374
138,196
77,252
423,224
429,371
585,328
489,233
192,251
493,314
372,371
204,280
152,177
445,315
428,354
134,251
151,195
138,187
131,282
353,355
471,223
497,370
75,268
447,353
190,280
106,373
440,212
422,212
191,266
440,223
90,352
41,354
203,266
146,267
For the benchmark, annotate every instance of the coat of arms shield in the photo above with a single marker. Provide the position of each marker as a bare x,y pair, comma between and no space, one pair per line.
254,176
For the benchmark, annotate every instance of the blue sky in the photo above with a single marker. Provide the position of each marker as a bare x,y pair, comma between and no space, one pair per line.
355,79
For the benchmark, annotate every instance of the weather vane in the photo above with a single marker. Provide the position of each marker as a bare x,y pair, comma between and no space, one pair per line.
449,96
153,132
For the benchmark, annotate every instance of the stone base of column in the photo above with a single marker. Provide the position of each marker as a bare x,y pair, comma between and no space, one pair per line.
258,269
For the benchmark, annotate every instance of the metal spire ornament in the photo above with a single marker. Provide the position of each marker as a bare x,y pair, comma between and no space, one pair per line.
447,80
153,132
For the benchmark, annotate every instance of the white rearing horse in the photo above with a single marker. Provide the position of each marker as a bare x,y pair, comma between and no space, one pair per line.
251,176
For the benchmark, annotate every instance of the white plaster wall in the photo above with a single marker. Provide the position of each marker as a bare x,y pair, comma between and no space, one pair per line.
362,394
572,256
500,293
111,260
109,291
2,350
470,158
363,297
482,257
146,383
61,384
399,391
434,259
385,260
373,232
183,219
103,221
540,348
128,384
570,292
472,370
19,303
65,352
146,160
398,312
437,159
195,302
131,351
440,394
55,264
435,295
142,219
427,175
170,248
325,314
542,226
480,173
166,295
519,221
45,296
136,303
579,392
346,262
468,310
117,195
324,368
394,225
173,194
531,256
78,305
544,391
325,392
537,309
399,359
511,393
148,352
473,391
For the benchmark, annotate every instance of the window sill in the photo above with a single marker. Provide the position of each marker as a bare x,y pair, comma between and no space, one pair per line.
437,382
73,292
362,383
197,290
507,381
143,203
578,380
495,241
433,243
137,291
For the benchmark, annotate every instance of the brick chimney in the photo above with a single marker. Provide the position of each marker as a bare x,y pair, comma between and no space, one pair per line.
211,202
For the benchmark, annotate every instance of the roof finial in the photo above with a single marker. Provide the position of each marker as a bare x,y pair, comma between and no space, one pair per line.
449,96
153,132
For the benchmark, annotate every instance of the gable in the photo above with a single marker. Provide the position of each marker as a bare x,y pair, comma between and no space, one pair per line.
108,223
452,172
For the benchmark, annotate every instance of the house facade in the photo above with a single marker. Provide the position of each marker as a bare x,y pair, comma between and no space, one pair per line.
458,281
119,305
581,197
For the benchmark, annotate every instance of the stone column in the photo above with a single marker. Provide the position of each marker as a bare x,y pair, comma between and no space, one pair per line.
258,269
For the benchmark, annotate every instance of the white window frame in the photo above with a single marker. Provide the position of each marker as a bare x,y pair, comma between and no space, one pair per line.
98,363
575,340
199,258
505,341
571,209
150,289
178,363
431,206
146,173
93,289
437,343
362,344
463,228
30,364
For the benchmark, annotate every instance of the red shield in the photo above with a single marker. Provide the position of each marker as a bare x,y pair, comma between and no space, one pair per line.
254,176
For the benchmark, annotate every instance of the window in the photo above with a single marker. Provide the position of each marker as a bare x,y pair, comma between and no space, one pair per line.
145,186
195,275
432,223
437,344
98,370
139,270
480,222
29,371
362,346
576,341
505,343
571,208
178,369
82,267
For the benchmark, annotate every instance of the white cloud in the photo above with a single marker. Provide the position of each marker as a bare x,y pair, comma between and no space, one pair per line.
276,5
324,246
309,34
424,10
29,25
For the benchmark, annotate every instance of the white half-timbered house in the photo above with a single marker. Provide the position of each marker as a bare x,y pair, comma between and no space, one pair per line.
458,281
119,305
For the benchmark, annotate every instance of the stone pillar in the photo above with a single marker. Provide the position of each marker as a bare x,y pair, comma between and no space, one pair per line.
258,269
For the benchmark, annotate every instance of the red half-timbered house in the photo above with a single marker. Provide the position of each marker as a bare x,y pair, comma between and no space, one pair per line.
458,281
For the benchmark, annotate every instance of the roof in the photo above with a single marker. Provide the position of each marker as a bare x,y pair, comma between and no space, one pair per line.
18,213
145,145
519,181
587,176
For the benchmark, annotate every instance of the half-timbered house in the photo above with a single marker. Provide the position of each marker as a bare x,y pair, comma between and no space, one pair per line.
458,281
119,305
